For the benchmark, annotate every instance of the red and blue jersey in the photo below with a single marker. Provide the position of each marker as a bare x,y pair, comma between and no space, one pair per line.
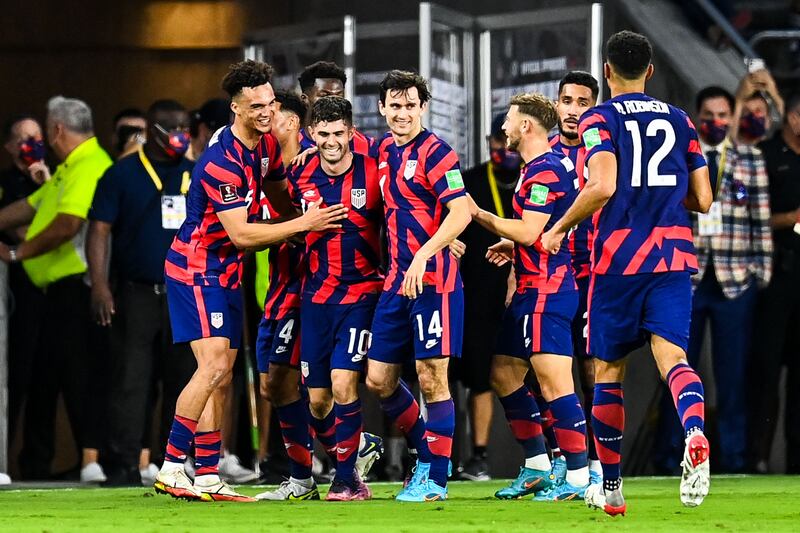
582,236
359,144
227,176
418,179
546,185
644,227
343,264
286,270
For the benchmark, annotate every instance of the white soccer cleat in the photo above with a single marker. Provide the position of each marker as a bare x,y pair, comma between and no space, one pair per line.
219,491
175,483
612,503
696,478
595,497
370,449
92,473
290,490
232,471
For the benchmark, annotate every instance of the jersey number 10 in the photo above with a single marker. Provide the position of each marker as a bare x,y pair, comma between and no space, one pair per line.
654,179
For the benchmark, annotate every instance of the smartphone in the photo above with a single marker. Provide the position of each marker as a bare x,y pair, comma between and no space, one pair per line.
754,64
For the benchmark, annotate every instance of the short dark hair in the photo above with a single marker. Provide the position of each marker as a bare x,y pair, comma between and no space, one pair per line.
629,53
331,109
579,77
713,91
402,81
8,126
164,106
214,113
128,112
320,70
538,106
247,73
291,101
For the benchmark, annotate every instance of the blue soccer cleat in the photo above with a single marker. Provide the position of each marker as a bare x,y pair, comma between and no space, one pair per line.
595,478
528,481
428,491
558,469
561,492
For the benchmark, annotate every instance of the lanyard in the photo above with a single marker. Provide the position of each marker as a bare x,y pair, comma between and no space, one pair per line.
185,178
498,204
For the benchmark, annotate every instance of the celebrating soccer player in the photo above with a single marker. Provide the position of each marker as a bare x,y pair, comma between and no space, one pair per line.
203,271
645,170
577,92
420,311
536,330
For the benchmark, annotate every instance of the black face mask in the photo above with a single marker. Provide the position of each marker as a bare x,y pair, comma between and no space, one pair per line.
124,135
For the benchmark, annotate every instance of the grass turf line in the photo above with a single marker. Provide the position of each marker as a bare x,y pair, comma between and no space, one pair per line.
755,503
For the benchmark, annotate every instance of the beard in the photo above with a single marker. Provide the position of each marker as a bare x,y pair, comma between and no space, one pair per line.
571,135
512,144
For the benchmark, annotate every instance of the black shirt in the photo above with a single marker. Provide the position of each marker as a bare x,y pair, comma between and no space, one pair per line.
783,170
485,284
128,199
14,185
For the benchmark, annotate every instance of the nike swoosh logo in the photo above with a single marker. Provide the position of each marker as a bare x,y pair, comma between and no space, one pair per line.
531,484
369,449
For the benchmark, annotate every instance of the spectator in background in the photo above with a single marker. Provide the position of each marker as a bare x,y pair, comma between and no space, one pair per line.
52,255
757,103
734,255
213,115
24,141
778,310
491,184
140,203
129,131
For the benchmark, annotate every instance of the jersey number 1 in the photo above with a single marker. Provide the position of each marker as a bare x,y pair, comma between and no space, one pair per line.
654,179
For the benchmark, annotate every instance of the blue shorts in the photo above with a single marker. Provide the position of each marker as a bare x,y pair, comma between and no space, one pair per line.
334,336
199,312
580,328
278,342
538,323
624,310
432,325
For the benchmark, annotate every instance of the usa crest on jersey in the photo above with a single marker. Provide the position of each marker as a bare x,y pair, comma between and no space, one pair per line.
264,166
358,198
410,169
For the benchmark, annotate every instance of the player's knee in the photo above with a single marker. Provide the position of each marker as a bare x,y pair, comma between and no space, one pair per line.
433,385
216,373
344,391
320,407
379,385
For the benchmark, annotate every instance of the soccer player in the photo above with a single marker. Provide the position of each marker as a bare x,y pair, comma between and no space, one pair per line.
536,330
577,92
420,310
326,78
645,170
341,287
203,270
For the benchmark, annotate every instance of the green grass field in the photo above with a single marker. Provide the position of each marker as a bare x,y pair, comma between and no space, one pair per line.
760,504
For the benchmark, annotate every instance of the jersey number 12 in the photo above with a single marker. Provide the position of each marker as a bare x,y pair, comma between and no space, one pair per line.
654,179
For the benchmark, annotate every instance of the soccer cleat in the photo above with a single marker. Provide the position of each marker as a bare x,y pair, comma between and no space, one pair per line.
595,477
341,491
561,491
696,477
613,503
425,491
528,481
177,484
370,449
558,469
232,471
220,492
290,490
475,469
419,475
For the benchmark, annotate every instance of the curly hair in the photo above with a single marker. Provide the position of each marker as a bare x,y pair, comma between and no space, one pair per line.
538,106
401,81
629,53
331,109
290,101
320,70
246,73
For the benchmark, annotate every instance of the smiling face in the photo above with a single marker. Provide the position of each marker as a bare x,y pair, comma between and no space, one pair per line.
324,87
573,101
254,107
403,111
333,140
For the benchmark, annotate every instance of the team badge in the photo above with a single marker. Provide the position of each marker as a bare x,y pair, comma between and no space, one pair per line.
216,320
411,169
539,194
454,179
304,368
228,193
358,198
264,166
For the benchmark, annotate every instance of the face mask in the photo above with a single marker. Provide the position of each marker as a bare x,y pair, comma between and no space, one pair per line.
31,150
505,159
713,131
178,142
124,134
752,126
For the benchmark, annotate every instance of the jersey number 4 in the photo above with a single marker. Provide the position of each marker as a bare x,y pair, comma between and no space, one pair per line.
654,179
